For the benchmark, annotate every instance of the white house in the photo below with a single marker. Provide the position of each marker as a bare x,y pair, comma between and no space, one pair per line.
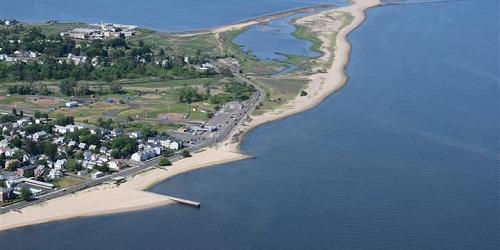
174,145
59,164
72,104
114,165
60,129
40,135
22,122
82,145
135,134
55,174
10,152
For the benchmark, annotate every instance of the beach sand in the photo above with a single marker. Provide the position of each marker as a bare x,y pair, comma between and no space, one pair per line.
107,199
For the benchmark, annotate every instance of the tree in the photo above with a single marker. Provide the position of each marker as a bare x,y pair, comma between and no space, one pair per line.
26,194
72,165
123,146
50,150
65,120
104,168
165,162
167,152
67,87
185,153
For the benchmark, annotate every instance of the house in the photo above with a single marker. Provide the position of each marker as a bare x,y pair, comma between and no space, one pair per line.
55,174
26,171
103,158
87,155
58,140
135,134
116,132
60,129
59,164
3,150
4,143
97,174
22,122
38,136
11,164
144,155
40,170
72,104
103,150
10,152
72,144
82,172
6,194
92,147
175,145
73,128
138,156
114,165
82,145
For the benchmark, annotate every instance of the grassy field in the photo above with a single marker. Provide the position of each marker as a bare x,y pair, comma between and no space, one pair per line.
189,45
67,181
57,28
279,91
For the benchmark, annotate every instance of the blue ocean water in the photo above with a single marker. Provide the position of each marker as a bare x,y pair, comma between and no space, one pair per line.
162,15
405,156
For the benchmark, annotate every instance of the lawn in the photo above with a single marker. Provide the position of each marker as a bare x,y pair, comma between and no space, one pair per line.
67,181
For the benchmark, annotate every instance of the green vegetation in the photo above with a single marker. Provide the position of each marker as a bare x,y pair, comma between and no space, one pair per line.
186,153
165,162
26,194
301,32
67,181
73,166
122,146
57,57
278,91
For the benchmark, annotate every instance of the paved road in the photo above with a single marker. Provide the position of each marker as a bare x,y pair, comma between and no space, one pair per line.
139,167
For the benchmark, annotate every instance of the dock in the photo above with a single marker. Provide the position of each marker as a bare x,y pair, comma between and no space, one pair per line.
185,202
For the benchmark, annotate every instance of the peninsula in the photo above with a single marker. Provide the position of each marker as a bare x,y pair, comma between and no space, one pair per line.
323,76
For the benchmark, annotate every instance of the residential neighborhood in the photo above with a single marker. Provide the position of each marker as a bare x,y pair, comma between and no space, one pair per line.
39,155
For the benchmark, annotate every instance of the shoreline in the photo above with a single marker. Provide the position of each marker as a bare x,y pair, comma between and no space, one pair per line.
254,20
131,196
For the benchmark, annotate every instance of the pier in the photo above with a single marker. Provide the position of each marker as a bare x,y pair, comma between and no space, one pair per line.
185,202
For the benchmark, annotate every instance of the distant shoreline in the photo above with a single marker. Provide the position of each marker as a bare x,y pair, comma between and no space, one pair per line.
130,195
254,20
232,25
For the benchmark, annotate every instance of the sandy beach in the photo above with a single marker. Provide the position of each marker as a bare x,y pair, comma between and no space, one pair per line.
107,199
